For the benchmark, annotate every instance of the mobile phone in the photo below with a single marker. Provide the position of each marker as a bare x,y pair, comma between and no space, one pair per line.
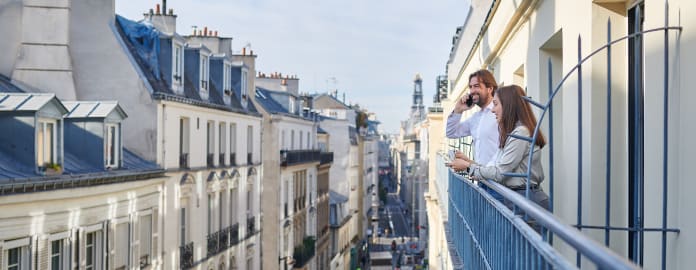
469,101
451,154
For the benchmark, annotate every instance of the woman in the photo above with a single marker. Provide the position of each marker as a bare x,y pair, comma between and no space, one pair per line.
514,116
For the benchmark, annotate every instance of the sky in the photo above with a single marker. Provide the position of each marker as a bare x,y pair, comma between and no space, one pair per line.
370,50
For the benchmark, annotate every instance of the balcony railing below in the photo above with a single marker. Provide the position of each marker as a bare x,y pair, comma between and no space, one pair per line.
183,160
210,160
326,157
234,234
186,256
213,243
294,157
223,239
233,159
221,159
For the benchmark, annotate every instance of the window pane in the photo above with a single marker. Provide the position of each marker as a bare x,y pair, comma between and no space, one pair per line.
233,138
40,145
56,248
145,238
182,225
49,143
89,251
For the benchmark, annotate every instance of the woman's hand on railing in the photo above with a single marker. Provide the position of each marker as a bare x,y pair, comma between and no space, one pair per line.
460,162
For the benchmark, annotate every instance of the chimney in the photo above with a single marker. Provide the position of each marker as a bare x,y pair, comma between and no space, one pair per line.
216,33
251,52
164,7
243,50
205,31
157,9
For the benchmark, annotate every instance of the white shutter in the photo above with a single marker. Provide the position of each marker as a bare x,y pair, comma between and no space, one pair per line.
155,235
82,247
145,239
43,250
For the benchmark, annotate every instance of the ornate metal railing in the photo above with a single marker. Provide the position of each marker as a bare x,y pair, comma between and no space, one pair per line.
186,256
213,243
210,160
251,226
293,157
234,234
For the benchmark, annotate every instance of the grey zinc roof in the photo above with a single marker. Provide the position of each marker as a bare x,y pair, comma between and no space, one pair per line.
336,198
24,101
92,109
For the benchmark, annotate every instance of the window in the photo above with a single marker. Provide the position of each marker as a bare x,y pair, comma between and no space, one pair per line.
178,66
145,240
204,73
292,140
226,82
183,142
250,199
46,141
244,85
282,140
250,144
17,258
308,144
210,143
122,246
233,143
92,251
222,138
182,226
211,202
301,139
58,258
220,208
112,145
291,106
233,206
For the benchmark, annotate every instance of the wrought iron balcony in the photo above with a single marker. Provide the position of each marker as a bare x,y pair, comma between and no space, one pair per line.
233,159
186,256
250,226
294,157
234,234
213,243
210,160
326,157
183,160
221,159
223,240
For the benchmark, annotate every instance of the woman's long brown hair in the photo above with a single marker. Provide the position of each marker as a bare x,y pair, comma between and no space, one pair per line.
515,109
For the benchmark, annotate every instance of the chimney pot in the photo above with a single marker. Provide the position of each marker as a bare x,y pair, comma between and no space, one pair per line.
151,12
244,53
205,31
216,33
251,52
158,9
171,12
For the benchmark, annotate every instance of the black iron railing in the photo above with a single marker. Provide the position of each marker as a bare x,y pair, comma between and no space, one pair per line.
210,160
234,234
294,157
213,243
186,256
183,160
326,157
221,159
233,159
223,239
251,225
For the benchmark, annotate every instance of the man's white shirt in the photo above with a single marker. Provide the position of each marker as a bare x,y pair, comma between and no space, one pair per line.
482,127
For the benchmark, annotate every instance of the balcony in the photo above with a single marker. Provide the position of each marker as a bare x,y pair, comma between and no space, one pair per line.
234,234
251,226
221,159
183,161
186,256
295,157
223,239
210,158
213,244
304,253
233,159
326,157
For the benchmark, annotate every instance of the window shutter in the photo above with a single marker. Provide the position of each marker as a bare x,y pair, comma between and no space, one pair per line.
43,251
155,235
82,247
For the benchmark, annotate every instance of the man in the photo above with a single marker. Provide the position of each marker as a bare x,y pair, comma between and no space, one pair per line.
482,126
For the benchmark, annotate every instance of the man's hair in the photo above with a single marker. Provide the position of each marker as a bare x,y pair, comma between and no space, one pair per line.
486,77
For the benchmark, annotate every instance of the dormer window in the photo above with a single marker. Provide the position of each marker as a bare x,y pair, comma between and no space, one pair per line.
178,65
112,147
204,73
46,143
226,80
244,88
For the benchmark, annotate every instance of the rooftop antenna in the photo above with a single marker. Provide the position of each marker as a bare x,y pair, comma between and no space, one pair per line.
164,6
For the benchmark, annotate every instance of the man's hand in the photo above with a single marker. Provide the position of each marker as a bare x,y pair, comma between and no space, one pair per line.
460,155
459,164
460,106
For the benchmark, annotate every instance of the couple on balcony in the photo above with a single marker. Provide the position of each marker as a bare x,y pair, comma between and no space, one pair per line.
503,112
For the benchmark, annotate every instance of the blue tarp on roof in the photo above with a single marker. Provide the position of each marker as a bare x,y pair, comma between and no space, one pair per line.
145,39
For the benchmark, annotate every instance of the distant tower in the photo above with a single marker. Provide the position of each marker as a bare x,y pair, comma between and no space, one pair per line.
417,109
